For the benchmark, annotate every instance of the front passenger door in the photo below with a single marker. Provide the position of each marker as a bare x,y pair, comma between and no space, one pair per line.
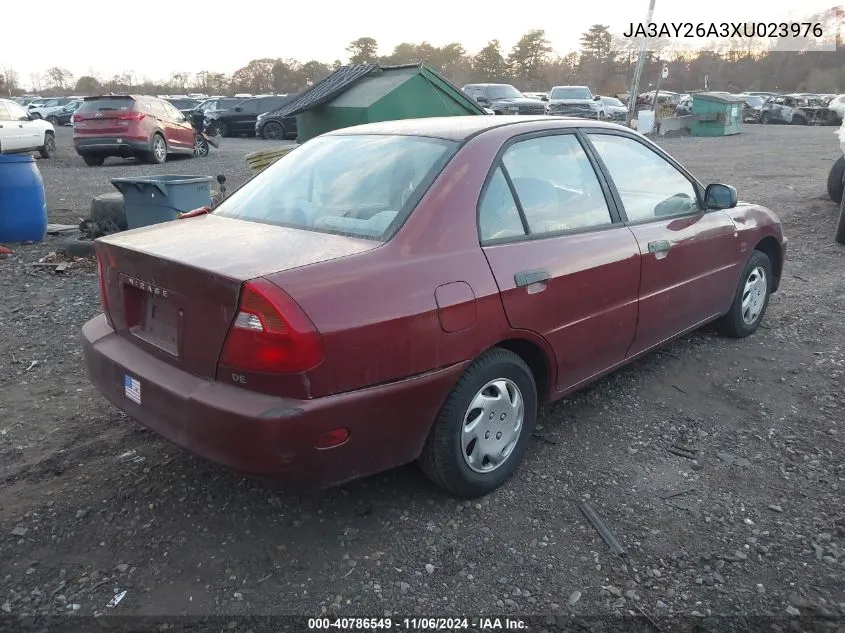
690,255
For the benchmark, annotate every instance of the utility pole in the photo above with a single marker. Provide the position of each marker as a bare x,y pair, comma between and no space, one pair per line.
638,69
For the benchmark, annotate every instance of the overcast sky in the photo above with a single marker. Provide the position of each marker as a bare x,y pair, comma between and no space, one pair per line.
155,38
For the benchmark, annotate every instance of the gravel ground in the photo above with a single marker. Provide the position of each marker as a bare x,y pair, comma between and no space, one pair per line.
92,504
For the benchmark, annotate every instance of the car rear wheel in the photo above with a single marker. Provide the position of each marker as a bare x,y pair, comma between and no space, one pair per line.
751,298
93,160
158,150
273,131
799,120
764,118
483,427
49,148
54,121
835,185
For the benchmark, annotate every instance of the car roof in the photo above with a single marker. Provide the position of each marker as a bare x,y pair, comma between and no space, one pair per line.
461,128
486,85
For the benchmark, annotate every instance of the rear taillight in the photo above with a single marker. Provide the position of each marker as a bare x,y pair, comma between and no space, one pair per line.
102,278
271,333
130,116
75,118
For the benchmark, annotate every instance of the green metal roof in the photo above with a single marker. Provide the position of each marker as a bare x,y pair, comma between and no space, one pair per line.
368,90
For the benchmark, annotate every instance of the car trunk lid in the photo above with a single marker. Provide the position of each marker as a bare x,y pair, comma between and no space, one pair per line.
173,288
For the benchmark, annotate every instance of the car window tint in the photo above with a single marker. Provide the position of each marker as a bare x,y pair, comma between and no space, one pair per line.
498,216
555,184
4,115
650,186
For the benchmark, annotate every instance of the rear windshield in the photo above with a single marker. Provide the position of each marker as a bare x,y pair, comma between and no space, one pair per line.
571,93
106,104
358,185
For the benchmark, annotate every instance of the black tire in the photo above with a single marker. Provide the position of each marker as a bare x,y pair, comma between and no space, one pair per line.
218,128
77,247
93,160
765,118
799,120
49,148
733,323
840,227
54,121
835,184
442,458
273,131
107,209
158,150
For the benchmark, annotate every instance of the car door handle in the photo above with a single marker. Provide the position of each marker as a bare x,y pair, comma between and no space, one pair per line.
660,246
528,277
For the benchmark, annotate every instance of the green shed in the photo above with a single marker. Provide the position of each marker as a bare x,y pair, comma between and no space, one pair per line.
716,114
366,93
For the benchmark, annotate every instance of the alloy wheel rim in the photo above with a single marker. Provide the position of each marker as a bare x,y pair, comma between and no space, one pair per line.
273,131
492,425
754,295
158,148
50,144
200,146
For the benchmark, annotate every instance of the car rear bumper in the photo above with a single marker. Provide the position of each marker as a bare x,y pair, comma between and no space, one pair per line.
263,435
113,145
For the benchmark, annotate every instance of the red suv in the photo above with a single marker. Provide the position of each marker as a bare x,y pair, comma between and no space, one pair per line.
132,126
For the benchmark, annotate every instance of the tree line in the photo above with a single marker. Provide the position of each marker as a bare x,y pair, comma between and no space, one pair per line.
604,62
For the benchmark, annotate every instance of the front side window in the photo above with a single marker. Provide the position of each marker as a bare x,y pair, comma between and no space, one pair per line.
556,184
359,185
650,187
4,115
16,113
503,91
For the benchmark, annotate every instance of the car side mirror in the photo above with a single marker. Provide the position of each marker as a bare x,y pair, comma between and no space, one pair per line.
596,98
239,109
482,100
544,98
718,196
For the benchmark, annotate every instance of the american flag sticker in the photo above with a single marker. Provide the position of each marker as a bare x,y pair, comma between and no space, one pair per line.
132,388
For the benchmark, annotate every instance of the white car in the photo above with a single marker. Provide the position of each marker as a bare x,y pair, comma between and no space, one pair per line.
49,110
20,133
837,105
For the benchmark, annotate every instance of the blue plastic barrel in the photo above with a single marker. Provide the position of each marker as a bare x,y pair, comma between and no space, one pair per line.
23,208
156,199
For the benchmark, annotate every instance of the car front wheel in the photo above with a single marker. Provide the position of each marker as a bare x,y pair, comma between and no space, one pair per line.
751,298
483,427
49,148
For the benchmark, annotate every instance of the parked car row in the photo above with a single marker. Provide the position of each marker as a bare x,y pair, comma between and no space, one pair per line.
576,101
21,132
770,107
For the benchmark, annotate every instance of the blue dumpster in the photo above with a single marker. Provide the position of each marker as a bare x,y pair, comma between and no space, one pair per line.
156,199
23,209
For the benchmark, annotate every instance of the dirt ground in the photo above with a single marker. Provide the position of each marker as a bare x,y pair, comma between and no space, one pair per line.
92,505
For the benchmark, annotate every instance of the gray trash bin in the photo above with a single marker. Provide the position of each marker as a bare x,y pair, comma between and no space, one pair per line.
156,199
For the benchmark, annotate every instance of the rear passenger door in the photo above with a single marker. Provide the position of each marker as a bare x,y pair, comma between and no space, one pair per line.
566,267
181,130
690,255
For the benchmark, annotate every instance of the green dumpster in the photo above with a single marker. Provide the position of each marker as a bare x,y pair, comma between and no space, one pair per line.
716,114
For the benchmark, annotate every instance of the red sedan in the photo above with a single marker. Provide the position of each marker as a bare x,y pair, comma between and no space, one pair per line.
414,290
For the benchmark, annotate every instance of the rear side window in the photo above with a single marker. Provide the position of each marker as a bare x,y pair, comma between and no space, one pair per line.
498,216
106,105
357,185
556,184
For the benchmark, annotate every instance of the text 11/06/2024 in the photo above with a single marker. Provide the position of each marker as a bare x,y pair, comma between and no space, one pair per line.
418,624
725,30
